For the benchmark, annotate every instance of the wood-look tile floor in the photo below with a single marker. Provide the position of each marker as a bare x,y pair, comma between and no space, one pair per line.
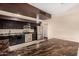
52,47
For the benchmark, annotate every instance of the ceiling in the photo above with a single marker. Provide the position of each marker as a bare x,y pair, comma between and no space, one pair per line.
54,8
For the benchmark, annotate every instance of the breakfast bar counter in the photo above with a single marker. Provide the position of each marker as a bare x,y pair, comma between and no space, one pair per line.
51,47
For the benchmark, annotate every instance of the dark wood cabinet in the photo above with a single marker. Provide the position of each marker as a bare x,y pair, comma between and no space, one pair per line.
24,9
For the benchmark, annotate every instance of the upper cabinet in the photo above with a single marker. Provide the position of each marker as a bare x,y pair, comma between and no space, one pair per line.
24,9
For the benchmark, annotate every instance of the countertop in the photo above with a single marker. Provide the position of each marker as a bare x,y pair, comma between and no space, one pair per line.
52,47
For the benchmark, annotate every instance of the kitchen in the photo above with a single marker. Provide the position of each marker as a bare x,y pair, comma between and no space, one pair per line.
26,29
20,24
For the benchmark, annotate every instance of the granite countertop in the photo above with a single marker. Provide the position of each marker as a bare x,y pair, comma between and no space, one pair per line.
52,47
13,34
9,34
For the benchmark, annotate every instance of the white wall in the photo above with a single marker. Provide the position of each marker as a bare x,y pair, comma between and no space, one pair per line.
65,27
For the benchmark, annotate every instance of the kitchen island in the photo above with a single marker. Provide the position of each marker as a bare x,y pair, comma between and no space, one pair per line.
51,47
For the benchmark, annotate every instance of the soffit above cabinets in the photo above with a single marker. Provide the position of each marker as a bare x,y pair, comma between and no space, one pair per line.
24,9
